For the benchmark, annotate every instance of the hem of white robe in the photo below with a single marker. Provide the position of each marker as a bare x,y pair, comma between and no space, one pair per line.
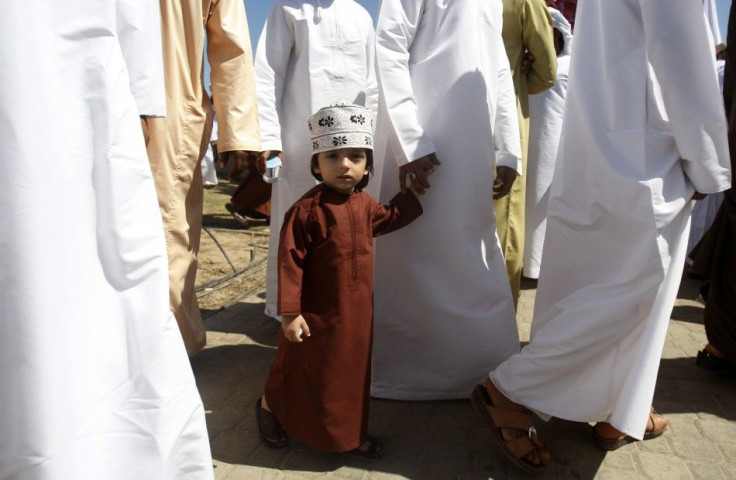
546,416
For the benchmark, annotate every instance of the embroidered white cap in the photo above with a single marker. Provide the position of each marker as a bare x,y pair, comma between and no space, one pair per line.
341,125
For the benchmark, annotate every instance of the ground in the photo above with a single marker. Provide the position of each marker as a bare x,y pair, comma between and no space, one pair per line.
436,440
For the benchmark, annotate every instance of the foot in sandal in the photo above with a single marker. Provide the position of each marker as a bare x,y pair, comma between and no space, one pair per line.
270,430
511,425
606,437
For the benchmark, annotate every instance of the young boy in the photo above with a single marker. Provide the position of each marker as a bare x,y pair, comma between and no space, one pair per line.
318,386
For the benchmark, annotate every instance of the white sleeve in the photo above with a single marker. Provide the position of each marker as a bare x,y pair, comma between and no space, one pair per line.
506,136
371,101
272,57
680,51
138,24
398,21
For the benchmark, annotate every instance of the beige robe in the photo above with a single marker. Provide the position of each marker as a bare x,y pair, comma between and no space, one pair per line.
527,26
178,142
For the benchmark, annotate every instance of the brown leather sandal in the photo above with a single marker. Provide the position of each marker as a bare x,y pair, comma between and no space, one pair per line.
497,418
614,443
272,433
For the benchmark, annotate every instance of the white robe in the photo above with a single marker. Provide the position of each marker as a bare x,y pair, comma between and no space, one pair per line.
705,210
95,380
308,57
443,306
545,126
642,96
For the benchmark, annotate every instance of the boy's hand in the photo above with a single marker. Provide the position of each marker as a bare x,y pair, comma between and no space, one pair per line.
294,326
417,172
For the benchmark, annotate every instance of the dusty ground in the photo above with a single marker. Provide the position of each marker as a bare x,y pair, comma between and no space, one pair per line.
232,257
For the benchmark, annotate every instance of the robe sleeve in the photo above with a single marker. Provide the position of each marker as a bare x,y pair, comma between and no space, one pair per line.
403,209
371,101
680,51
233,85
398,21
506,136
292,250
138,24
539,41
272,58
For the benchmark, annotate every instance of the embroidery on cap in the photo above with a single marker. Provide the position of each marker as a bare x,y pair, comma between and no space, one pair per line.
357,119
315,145
368,141
336,141
326,122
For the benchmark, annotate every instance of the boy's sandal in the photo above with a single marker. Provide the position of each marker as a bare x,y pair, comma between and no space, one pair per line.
614,443
236,215
497,418
270,430
374,448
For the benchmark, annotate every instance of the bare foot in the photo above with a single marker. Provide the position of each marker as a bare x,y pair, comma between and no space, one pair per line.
655,426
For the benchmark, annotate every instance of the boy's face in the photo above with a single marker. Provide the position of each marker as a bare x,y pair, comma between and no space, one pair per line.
342,169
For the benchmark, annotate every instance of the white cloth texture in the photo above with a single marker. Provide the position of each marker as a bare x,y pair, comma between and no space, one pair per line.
705,210
443,307
309,56
209,173
711,14
96,382
642,96
546,111
559,22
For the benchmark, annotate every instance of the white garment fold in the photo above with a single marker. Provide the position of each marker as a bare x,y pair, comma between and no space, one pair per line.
444,312
642,96
546,111
95,379
305,61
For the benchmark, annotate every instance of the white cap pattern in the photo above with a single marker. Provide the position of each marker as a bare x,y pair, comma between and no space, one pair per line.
341,125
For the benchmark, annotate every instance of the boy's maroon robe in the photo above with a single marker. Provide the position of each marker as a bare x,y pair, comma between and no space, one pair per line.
318,389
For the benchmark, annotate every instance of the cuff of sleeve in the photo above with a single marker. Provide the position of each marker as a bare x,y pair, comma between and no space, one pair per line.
271,145
505,159
423,148
250,146
289,308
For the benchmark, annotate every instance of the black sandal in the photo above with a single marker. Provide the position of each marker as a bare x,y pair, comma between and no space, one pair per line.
375,448
272,433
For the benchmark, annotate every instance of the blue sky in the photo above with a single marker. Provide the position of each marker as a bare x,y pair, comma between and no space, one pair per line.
257,11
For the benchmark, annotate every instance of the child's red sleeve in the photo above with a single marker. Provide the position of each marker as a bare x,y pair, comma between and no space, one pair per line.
293,243
403,209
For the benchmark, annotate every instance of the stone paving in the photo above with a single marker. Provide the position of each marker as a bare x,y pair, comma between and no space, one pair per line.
446,440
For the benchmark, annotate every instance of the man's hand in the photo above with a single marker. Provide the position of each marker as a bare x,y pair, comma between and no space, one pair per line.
239,160
294,326
261,160
418,172
527,61
505,177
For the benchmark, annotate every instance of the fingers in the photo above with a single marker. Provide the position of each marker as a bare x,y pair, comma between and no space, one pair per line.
433,158
402,180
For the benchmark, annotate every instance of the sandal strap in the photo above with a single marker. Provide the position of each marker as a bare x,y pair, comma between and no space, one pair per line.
511,419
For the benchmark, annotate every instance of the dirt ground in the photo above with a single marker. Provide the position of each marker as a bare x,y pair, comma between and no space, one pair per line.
232,257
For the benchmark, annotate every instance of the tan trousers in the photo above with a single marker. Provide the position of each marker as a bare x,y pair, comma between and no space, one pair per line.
510,219
178,178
